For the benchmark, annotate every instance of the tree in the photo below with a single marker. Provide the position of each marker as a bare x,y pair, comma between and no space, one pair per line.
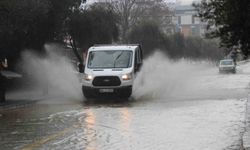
32,23
176,46
132,12
59,12
95,25
149,35
22,24
229,20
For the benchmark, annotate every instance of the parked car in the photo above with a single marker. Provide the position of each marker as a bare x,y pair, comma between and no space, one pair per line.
227,65
111,69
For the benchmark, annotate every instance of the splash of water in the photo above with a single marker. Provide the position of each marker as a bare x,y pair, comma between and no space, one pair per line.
161,78
53,72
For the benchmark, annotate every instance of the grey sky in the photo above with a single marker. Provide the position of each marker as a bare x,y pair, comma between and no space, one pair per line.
183,2
186,2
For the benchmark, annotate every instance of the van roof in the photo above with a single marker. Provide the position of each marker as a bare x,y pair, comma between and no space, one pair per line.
114,47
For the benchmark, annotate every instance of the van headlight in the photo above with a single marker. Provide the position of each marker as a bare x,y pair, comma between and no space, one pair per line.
88,77
127,76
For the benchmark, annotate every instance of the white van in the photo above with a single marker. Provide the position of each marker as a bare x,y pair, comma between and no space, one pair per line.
111,69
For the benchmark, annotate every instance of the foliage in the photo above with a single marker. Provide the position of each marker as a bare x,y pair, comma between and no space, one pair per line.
59,12
31,23
176,46
95,25
21,21
133,12
148,34
229,20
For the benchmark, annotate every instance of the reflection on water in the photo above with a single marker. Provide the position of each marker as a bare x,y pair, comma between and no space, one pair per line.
90,118
101,128
90,121
125,119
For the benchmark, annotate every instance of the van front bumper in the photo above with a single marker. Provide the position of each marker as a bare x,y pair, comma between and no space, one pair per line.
95,91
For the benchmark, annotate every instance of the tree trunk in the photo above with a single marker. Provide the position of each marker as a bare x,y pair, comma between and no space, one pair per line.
78,56
74,48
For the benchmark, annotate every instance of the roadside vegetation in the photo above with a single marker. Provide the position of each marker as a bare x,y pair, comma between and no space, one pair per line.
175,46
228,20
29,24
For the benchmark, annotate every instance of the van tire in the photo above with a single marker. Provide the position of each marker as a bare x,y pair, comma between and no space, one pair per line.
87,93
126,93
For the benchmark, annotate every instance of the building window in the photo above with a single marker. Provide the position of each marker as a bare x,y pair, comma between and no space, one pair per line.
193,22
179,19
186,20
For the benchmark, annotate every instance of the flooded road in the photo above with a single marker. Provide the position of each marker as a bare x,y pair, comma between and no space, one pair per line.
134,124
208,115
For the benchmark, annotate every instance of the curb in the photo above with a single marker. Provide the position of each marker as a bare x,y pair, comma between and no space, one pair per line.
20,99
15,104
246,134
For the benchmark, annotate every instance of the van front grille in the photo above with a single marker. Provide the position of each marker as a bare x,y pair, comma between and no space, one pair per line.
106,81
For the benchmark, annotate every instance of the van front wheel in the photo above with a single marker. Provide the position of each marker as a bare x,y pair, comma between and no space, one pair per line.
126,93
87,92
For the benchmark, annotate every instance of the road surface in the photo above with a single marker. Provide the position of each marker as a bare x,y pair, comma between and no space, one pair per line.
181,106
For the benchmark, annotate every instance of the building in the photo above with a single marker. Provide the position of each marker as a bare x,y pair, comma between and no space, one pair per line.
180,18
187,22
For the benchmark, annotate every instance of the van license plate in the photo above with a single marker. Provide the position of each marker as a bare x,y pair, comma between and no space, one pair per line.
106,90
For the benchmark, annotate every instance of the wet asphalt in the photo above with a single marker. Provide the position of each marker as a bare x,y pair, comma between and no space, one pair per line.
99,124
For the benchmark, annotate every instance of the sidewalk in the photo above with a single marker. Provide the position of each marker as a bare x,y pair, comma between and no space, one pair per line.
21,98
246,136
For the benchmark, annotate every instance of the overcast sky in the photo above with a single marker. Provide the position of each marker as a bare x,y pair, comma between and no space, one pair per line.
186,2
183,2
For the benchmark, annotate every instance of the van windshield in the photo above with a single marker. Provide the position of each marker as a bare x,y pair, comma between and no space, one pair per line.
226,62
110,59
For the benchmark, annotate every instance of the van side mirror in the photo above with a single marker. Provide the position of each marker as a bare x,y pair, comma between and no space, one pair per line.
81,68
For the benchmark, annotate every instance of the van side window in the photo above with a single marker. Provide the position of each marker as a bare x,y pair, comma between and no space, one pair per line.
139,56
136,57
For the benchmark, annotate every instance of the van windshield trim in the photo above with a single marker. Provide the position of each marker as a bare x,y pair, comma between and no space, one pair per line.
108,59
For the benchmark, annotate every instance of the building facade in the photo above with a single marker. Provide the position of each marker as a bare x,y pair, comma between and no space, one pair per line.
187,23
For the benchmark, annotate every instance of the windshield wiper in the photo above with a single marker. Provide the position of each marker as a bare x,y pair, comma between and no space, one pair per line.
117,58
